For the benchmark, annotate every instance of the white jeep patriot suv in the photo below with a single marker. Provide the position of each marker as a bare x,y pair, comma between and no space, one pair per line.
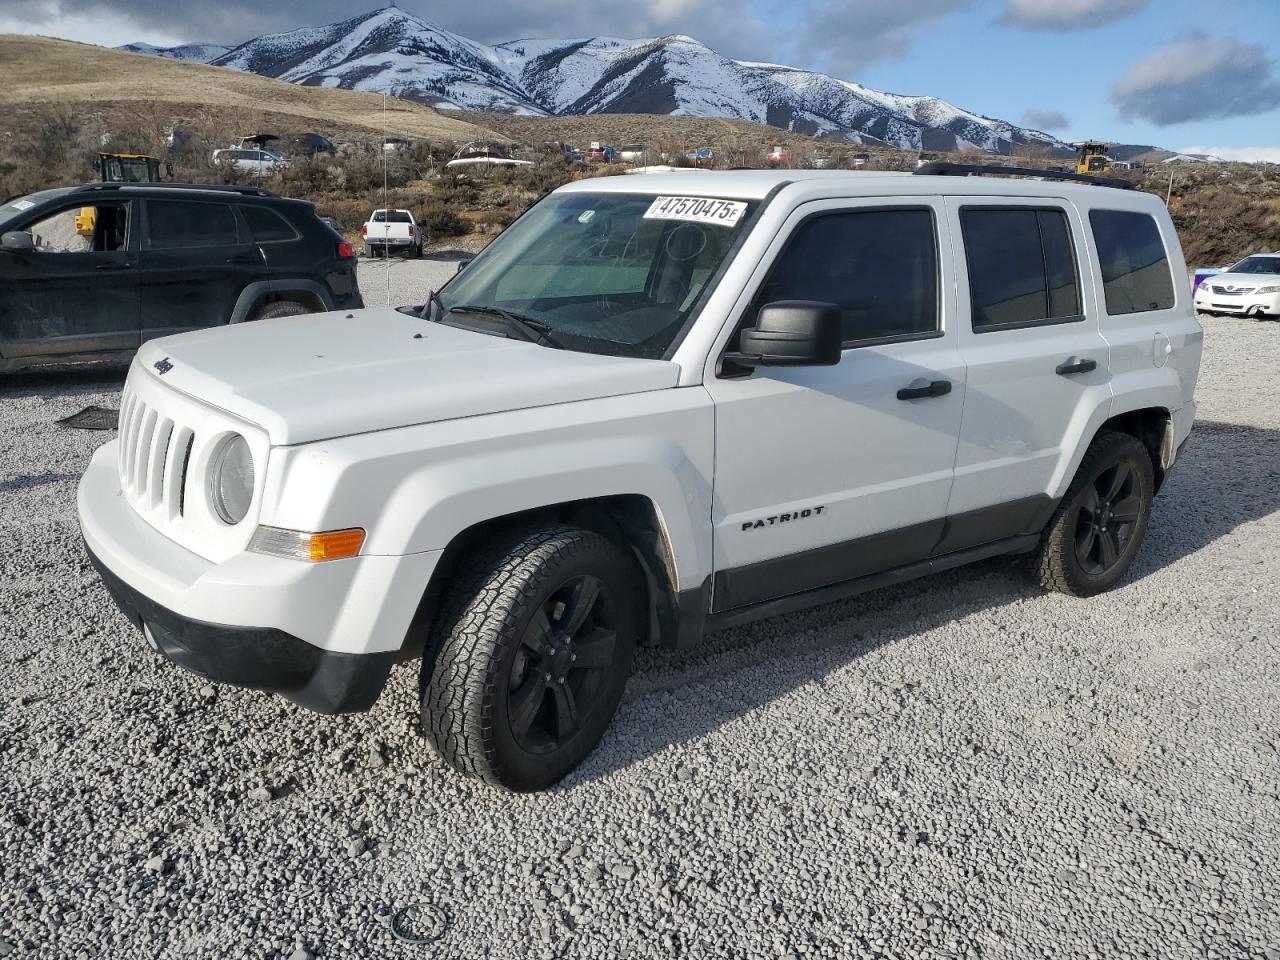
653,407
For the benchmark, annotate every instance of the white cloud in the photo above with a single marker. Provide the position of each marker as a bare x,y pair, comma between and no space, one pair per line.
852,33
1198,78
1239,154
105,29
1067,14
1046,119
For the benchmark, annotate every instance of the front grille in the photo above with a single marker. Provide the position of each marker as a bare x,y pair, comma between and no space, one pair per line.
1229,293
154,452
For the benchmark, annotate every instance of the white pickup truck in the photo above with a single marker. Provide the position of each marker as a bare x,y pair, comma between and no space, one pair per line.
653,407
388,231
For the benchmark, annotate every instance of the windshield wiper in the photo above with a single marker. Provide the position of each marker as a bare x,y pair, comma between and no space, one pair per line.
526,328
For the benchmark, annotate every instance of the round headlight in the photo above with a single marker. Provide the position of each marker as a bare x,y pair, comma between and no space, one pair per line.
231,479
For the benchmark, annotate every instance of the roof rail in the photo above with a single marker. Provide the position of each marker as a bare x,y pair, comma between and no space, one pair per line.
946,168
220,187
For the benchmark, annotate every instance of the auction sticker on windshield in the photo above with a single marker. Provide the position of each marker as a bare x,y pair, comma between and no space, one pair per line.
723,213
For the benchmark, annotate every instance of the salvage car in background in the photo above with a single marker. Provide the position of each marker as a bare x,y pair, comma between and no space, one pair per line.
161,259
1250,288
261,163
480,156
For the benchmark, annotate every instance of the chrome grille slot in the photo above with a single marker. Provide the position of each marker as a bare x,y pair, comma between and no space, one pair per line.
159,453
142,450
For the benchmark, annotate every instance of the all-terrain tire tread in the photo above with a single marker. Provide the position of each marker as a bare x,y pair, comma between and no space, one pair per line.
479,614
1049,562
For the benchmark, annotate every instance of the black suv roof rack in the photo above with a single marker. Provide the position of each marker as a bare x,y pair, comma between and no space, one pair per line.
221,187
946,168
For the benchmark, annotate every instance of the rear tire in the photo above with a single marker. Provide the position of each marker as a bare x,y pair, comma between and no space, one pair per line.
533,646
281,308
1100,524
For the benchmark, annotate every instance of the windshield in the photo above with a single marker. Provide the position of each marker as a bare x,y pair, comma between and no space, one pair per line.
13,210
1257,265
604,272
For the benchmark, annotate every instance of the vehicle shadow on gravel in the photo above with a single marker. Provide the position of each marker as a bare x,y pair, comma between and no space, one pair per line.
59,381
1229,476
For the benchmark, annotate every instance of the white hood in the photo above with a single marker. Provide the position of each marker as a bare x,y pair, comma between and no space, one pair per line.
329,375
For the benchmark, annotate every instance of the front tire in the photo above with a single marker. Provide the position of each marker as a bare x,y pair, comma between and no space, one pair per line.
1100,524
533,648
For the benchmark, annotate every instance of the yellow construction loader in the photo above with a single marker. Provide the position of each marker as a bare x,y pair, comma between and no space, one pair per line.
121,168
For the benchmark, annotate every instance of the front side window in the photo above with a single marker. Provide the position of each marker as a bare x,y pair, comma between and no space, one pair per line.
1135,267
880,267
604,272
1022,268
176,224
103,228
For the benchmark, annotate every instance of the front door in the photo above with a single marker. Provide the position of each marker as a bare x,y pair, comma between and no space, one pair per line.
76,291
197,257
827,474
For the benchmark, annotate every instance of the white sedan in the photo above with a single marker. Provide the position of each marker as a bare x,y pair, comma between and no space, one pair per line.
1251,288
250,160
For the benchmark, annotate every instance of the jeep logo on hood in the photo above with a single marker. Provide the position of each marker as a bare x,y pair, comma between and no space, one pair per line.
163,366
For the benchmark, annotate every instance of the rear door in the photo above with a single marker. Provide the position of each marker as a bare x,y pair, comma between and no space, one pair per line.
1036,358
77,291
197,258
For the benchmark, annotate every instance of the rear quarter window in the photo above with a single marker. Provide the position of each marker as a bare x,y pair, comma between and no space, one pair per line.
1135,265
267,226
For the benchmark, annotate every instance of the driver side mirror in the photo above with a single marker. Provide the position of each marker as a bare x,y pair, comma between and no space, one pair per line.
792,333
462,265
17,241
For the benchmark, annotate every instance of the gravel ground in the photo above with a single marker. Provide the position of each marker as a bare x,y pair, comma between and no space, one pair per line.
960,767
395,282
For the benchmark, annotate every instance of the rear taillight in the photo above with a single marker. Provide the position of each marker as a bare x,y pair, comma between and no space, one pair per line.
346,251
364,229
413,231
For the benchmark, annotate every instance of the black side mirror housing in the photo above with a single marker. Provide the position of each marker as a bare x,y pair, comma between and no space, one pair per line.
18,241
792,333
462,265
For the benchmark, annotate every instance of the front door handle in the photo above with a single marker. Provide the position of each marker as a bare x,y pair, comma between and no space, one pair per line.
245,260
920,389
1075,365
113,265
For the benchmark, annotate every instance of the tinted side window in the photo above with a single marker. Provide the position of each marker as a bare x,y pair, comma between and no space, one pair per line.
1135,267
879,266
267,226
1022,267
179,223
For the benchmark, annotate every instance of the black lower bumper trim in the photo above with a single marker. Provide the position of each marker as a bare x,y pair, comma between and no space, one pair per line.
255,657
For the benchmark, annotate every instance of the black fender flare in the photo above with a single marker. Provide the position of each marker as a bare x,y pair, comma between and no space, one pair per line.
254,294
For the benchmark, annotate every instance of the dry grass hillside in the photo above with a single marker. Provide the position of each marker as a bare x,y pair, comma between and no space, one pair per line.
42,71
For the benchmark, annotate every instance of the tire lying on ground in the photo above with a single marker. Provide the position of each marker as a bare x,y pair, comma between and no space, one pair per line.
533,646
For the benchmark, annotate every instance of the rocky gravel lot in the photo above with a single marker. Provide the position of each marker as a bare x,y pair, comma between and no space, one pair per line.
961,767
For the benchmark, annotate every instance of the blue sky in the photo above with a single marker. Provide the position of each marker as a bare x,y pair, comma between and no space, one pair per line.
970,58
1175,73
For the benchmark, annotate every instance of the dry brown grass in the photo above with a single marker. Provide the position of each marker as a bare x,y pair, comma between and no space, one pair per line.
39,70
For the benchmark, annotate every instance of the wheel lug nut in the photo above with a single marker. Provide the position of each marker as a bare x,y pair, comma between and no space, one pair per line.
573,657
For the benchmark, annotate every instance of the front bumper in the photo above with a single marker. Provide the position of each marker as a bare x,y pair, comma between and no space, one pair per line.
322,634
1249,305
260,659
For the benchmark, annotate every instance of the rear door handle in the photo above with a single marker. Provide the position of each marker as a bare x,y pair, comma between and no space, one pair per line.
245,260
920,389
113,265
1075,365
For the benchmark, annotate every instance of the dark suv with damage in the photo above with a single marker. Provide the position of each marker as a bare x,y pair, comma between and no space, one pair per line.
94,271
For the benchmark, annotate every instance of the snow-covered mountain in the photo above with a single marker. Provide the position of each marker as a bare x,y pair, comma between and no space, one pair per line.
393,51
195,52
